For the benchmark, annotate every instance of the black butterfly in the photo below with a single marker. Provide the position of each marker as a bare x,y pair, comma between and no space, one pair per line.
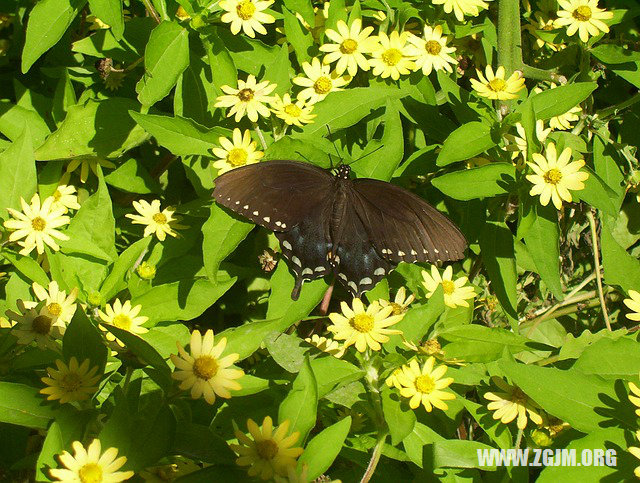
358,229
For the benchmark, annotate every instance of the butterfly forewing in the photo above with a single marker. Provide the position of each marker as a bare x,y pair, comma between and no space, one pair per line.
275,194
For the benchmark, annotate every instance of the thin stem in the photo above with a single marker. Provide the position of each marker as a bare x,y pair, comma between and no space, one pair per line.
519,439
596,259
375,458
139,260
569,299
260,136
542,74
127,379
612,110
152,11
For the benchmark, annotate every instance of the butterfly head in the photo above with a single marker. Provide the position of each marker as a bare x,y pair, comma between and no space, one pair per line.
343,171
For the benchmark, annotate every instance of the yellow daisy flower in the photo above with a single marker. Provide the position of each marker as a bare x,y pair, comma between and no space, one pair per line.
85,165
268,452
160,222
123,316
37,325
462,7
517,144
392,56
392,380
512,403
248,99
293,113
295,476
91,464
425,385
247,15
584,17
319,81
634,304
37,224
349,45
65,198
635,398
364,327
432,53
326,344
635,451
70,383
495,86
555,176
400,303
203,370
456,293
240,152
543,21
56,300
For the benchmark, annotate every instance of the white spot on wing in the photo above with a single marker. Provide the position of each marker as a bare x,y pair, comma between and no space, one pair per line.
414,253
379,271
245,207
256,213
401,253
365,281
343,276
267,219
319,269
307,271
287,245
296,260
353,286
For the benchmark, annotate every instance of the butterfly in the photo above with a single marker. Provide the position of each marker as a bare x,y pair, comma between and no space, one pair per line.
357,229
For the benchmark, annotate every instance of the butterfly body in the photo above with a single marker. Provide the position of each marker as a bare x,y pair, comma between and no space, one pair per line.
359,230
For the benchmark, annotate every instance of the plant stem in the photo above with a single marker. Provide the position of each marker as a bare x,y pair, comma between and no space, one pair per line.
127,379
519,438
260,136
509,42
596,259
372,380
375,458
612,110
152,11
541,74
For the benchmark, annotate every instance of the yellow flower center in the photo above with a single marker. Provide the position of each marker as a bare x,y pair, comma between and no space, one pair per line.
322,85
497,85
425,384
122,321
205,367
267,449
431,346
71,382
41,324
245,95
293,110
391,57
348,46
246,9
38,223
553,176
397,308
433,47
54,308
237,157
582,13
362,323
90,473
57,195
448,286
160,218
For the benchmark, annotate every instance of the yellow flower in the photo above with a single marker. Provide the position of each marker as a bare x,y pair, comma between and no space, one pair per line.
240,152
512,403
70,383
293,476
543,21
37,325
247,15
635,451
350,43
584,17
555,176
634,304
248,99
319,81
364,328
293,113
495,86
517,145
160,222
425,385
203,370
456,293
56,300
85,165
270,452
462,7
430,347
125,317
37,224
635,398
146,271
326,344
392,380
401,302
65,198
432,52
91,465
392,56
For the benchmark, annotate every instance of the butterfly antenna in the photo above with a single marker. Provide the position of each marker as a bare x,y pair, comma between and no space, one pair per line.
365,155
335,146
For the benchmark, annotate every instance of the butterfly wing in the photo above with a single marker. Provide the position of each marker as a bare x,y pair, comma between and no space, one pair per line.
273,194
404,227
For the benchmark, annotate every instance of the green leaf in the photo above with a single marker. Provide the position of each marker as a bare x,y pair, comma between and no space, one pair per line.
220,62
222,233
128,49
117,278
418,320
301,404
246,339
323,448
620,268
132,177
332,373
97,128
14,119
142,349
165,58
557,101
608,169
179,135
27,267
494,179
63,98
597,193
399,416
614,54
82,340
17,174
298,36
110,12
611,359
477,343
288,351
467,141
22,405
278,71
48,21
199,442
